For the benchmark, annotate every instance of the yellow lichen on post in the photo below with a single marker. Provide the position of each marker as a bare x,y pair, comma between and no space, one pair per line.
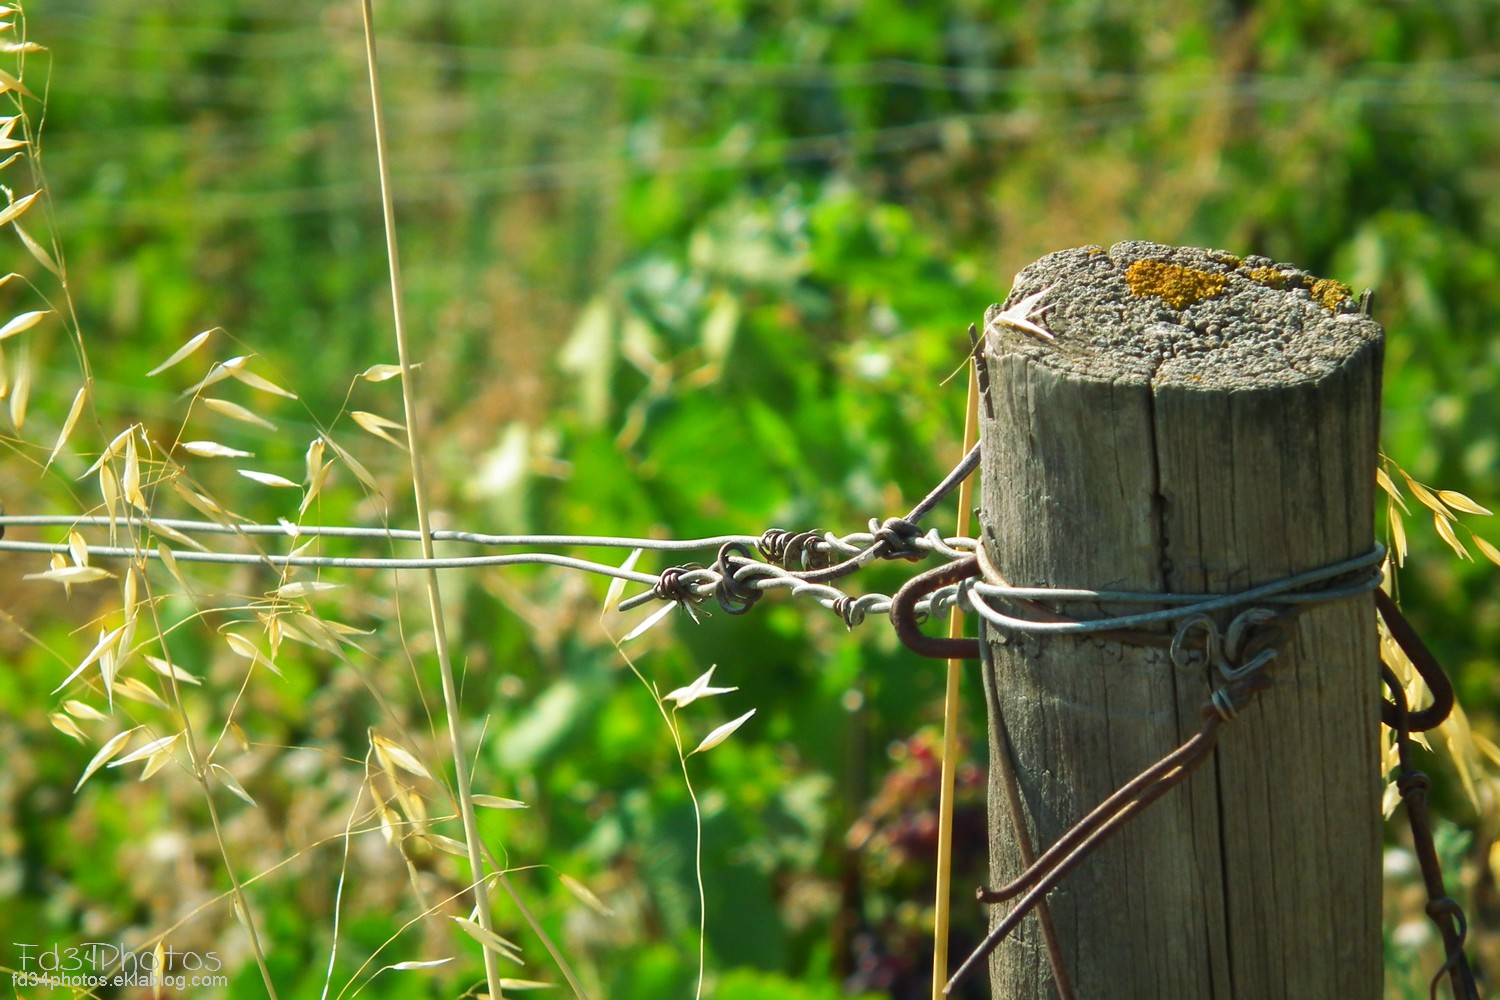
1324,291
1178,286
1329,293
1271,277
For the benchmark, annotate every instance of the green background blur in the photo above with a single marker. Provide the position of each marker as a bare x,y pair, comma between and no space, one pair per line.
684,268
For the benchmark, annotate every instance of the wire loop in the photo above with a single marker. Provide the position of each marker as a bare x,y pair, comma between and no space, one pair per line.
676,584
734,597
898,536
806,548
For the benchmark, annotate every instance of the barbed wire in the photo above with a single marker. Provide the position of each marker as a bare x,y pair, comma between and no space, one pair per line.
735,579
690,585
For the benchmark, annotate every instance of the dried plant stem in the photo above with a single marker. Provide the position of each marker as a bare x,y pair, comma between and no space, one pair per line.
31,133
202,774
941,905
687,780
200,771
503,880
424,525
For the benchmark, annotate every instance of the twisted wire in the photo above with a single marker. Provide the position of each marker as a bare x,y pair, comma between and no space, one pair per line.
808,549
735,579
1350,577
745,574
694,584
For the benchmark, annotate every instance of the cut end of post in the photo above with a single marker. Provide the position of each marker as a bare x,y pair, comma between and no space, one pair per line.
1179,314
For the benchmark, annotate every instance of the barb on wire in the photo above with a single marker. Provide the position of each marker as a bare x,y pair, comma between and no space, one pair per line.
806,548
896,537
693,582
733,596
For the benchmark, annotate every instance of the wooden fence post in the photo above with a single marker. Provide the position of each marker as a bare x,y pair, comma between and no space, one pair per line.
1198,423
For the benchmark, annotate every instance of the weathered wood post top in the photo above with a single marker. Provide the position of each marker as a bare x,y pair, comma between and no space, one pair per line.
1186,421
1182,314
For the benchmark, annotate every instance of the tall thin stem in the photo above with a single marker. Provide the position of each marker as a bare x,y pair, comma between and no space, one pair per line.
950,728
424,525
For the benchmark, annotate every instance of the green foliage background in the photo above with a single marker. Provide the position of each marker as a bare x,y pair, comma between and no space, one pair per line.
685,268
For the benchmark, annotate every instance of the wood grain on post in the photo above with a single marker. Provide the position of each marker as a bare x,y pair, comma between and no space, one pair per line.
1198,423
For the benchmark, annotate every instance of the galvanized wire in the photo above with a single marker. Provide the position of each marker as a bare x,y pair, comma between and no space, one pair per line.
289,530
336,562
693,584
1364,572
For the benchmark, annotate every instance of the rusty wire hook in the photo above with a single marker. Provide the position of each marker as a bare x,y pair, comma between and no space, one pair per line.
1428,669
904,612
1442,909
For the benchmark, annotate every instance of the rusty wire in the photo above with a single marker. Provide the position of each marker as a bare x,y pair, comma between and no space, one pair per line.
735,581
1442,909
1242,653
1010,784
735,575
